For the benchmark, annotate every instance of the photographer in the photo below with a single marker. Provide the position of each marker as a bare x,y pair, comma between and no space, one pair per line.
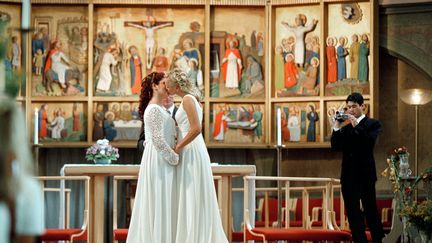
354,134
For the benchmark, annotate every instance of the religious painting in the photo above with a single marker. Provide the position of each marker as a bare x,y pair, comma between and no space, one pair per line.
237,53
10,20
332,107
347,54
116,121
296,57
299,122
59,51
60,122
237,123
131,43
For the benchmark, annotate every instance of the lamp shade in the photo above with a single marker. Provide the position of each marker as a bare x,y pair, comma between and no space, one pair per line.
416,96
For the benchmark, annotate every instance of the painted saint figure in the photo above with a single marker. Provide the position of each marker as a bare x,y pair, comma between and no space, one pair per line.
43,120
313,118
191,52
260,44
149,26
299,30
160,62
284,127
220,125
38,60
57,125
55,61
108,125
195,74
331,60
311,76
105,77
363,68
294,125
98,118
290,71
354,56
257,118
135,70
253,74
232,64
341,54
16,53
75,118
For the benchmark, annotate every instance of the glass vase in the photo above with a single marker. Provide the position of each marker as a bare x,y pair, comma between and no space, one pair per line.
404,170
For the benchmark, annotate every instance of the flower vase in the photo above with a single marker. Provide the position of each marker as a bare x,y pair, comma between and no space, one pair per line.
102,161
404,170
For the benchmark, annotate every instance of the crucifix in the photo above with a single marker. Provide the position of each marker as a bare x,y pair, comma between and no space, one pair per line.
149,25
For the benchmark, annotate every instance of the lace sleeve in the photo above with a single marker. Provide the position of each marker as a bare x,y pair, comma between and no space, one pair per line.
156,129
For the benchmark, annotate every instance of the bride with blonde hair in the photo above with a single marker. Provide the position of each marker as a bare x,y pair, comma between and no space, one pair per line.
198,219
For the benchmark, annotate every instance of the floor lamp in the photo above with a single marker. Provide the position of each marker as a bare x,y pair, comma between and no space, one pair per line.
416,97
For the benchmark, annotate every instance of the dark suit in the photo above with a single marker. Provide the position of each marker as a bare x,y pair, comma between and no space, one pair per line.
358,176
140,143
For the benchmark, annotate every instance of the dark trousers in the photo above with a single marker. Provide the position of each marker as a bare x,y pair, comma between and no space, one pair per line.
364,191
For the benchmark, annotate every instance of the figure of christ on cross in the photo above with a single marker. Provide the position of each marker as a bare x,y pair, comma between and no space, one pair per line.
149,26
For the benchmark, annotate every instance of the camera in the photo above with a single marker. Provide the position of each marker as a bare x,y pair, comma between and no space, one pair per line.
341,116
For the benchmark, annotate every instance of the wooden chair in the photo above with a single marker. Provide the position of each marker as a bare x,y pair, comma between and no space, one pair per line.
295,234
68,234
66,193
120,234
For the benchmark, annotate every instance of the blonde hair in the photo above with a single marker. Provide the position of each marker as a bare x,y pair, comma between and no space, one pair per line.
179,77
13,134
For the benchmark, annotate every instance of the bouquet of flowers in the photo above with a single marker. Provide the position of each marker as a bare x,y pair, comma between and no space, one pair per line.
102,151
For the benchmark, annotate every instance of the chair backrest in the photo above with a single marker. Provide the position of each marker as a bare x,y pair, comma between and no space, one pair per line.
116,180
64,194
325,202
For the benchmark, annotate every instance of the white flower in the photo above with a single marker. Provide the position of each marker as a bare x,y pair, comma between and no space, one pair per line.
102,152
102,142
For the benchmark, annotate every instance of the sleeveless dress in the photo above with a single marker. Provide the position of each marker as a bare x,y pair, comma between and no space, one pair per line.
154,215
199,219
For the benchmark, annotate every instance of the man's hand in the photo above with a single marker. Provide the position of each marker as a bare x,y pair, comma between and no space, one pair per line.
353,120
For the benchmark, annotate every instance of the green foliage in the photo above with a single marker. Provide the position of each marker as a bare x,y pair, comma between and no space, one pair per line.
419,215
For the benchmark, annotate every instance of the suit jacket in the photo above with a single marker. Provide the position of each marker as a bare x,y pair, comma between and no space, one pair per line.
140,143
357,145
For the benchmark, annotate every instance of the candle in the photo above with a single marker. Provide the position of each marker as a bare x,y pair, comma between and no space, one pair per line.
36,127
25,14
278,125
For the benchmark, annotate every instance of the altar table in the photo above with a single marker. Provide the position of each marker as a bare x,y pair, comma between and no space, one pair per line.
97,173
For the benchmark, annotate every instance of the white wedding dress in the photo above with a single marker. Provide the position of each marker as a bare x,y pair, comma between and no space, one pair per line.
199,219
154,215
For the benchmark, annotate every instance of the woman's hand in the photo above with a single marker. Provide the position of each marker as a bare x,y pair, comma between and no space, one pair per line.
177,149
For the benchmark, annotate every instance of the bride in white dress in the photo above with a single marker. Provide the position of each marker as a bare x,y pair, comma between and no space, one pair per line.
198,211
154,215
